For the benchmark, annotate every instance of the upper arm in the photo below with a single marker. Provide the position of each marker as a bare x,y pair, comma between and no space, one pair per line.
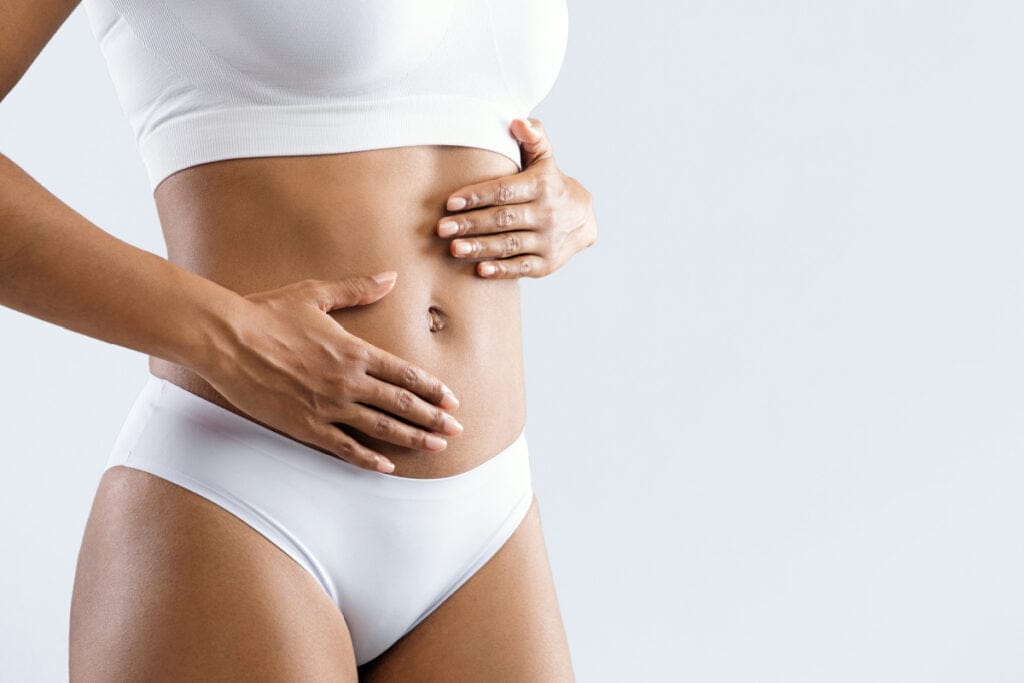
26,26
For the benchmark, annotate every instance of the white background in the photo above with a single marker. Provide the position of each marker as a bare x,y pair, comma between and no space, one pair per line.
774,413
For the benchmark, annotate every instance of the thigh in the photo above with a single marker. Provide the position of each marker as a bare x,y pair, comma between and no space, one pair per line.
503,624
170,586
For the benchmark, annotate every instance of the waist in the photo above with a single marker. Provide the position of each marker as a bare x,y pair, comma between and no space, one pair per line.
257,224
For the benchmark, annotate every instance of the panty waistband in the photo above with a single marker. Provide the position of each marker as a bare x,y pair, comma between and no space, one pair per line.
162,398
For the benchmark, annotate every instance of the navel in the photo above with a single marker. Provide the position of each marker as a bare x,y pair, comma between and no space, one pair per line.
437,319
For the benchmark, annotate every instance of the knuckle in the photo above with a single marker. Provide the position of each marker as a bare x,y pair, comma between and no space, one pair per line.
526,266
404,400
536,187
438,420
549,213
345,447
354,453
345,390
511,245
310,289
421,440
560,191
504,216
410,376
364,353
315,404
382,426
436,389
356,355
310,428
463,226
506,191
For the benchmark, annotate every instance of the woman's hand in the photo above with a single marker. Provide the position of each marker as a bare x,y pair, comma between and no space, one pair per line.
286,362
527,224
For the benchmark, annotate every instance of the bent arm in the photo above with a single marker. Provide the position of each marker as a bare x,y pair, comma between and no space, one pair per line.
58,266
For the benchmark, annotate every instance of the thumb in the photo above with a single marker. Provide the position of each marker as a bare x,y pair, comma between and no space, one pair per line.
353,291
533,140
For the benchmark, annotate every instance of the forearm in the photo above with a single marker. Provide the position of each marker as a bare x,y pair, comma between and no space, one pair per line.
57,266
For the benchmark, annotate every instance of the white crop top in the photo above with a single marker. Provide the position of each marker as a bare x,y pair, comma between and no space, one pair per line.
202,80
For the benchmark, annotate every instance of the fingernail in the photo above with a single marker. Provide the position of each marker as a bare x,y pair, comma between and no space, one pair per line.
386,276
462,248
451,425
446,228
449,400
385,465
456,203
435,443
487,269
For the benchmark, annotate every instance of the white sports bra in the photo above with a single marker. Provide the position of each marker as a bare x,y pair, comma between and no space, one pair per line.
202,80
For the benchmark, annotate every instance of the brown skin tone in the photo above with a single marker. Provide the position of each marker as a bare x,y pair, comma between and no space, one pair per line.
194,594
256,224
281,246
198,567
237,223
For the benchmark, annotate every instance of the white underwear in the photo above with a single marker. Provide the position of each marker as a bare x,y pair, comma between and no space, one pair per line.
387,549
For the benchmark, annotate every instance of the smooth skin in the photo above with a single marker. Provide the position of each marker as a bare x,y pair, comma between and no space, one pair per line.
269,262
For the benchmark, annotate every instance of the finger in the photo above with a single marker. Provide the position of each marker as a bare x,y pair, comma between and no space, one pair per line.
390,368
512,189
407,405
487,220
498,246
350,291
343,446
533,140
529,265
381,426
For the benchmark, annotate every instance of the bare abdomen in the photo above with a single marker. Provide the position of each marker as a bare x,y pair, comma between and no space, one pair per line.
257,224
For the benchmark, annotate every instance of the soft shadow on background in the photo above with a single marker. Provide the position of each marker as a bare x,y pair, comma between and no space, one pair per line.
774,412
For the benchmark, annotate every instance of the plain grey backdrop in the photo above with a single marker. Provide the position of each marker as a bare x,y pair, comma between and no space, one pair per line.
774,413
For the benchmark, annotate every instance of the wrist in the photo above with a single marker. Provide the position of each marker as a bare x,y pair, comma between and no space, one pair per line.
210,332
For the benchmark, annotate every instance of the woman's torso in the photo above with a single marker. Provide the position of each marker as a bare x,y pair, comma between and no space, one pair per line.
253,224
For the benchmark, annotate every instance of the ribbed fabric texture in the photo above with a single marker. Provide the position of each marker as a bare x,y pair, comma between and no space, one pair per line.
204,80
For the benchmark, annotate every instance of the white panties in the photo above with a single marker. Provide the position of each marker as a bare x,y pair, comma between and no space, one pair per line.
387,549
